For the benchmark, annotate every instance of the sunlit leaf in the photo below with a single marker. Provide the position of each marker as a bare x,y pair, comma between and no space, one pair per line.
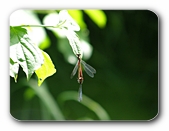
46,70
29,17
69,22
65,25
14,67
74,42
77,15
45,44
98,17
16,33
64,47
24,52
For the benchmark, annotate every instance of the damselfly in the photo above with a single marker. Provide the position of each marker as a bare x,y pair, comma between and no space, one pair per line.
88,69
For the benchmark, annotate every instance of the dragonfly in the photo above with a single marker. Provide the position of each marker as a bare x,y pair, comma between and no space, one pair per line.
88,69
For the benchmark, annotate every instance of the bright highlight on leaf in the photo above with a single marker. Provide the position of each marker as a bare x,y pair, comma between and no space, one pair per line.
24,52
29,17
46,70
64,24
97,16
78,16
14,67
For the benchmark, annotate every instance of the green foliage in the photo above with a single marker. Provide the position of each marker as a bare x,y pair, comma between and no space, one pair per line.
14,67
77,15
98,17
64,25
81,44
46,70
16,33
45,44
24,52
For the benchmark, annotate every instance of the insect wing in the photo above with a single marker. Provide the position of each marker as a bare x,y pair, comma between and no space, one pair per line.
88,69
74,70
80,93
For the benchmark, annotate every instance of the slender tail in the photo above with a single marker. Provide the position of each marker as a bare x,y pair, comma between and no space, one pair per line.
80,93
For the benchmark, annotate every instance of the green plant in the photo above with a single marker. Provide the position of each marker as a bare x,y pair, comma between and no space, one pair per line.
26,54
32,59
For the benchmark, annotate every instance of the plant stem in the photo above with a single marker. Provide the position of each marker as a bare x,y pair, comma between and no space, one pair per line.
57,26
38,26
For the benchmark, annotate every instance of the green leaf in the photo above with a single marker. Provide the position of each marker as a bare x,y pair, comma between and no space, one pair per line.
24,52
14,67
97,16
45,44
46,70
77,15
16,33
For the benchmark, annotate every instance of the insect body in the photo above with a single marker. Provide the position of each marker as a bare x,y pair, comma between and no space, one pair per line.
88,69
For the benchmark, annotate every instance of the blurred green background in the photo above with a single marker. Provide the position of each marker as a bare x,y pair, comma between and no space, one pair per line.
125,87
